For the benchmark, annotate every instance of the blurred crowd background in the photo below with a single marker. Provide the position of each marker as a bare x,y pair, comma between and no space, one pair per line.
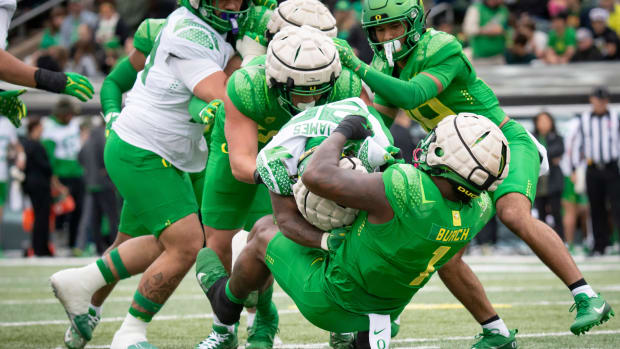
580,197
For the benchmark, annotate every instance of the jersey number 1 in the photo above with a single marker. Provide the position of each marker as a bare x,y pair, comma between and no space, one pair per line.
430,268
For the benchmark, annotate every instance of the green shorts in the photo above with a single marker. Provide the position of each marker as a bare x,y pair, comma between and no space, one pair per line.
300,271
227,202
524,163
2,193
198,184
156,193
568,194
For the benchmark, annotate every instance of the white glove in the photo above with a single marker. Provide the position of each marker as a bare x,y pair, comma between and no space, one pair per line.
248,49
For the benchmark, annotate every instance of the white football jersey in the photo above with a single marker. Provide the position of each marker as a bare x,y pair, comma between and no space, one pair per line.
7,9
66,137
155,116
8,136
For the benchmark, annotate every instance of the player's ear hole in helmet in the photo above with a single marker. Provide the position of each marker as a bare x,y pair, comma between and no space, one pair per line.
302,64
409,13
301,12
468,150
217,13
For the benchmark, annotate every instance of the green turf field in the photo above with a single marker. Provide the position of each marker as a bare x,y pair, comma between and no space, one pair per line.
525,293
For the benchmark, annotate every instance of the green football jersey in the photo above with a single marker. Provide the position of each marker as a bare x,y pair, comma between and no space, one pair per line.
380,267
247,89
145,36
441,55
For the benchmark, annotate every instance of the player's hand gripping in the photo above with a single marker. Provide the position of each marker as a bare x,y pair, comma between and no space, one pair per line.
333,240
78,86
347,56
354,127
12,106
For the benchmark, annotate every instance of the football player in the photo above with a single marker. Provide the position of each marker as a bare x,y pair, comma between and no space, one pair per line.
425,73
147,155
363,282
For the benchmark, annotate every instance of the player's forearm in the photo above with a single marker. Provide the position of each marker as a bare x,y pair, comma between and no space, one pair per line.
320,177
292,224
403,94
243,167
119,81
16,72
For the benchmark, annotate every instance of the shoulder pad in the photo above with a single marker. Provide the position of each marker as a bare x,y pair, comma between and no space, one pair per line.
347,85
247,89
436,46
188,39
147,33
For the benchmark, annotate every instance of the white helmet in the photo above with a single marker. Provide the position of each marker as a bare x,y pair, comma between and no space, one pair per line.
301,61
468,149
302,12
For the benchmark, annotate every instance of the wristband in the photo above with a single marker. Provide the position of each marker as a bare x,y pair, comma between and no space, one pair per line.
257,178
50,80
324,241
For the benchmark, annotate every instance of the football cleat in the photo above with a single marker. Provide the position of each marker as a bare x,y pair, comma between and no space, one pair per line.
124,339
492,339
591,311
264,330
75,299
73,340
341,340
219,338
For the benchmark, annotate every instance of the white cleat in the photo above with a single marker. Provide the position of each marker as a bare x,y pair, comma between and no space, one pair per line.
75,298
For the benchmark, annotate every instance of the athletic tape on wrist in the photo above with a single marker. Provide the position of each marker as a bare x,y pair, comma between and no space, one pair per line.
324,241
50,80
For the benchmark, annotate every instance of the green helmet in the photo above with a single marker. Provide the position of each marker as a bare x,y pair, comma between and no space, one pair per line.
467,149
225,22
409,12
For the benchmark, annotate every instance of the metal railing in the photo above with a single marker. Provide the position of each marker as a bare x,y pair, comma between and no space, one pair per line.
46,6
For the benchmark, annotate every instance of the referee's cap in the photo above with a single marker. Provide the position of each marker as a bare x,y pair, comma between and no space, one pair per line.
600,92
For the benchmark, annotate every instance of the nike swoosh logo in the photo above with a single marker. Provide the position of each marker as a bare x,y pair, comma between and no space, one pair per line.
424,201
199,276
377,332
600,310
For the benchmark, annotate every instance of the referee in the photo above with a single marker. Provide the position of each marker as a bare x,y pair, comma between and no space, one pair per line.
598,140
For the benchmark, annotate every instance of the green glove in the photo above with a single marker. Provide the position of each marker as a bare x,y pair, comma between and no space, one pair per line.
396,155
335,239
270,4
347,56
12,106
209,113
78,86
255,24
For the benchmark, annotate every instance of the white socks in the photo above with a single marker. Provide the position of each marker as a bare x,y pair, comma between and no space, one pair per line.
250,319
133,325
498,325
91,277
216,321
584,289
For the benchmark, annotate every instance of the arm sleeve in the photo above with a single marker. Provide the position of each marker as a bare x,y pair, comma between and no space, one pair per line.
410,94
119,81
192,71
196,105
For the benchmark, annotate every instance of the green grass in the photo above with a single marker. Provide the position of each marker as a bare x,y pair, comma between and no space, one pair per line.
526,296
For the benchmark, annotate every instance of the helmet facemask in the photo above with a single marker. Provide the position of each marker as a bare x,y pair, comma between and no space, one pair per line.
221,20
286,92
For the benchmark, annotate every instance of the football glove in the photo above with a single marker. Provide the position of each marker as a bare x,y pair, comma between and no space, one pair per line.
355,127
347,56
12,106
78,86
334,239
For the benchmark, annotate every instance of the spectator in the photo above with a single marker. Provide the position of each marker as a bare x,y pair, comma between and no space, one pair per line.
613,8
586,51
599,141
574,198
562,41
100,191
605,39
536,39
485,26
61,139
111,26
37,185
549,189
77,16
518,53
84,54
133,12
8,145
51,34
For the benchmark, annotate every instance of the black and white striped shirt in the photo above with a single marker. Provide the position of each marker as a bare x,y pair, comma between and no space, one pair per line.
598,138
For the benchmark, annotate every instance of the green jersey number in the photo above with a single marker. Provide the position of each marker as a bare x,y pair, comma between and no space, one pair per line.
430,268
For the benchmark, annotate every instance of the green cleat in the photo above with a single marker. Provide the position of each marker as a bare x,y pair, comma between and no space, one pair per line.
220,338
209,269
264,329
395,328
590,312
492,339
73,339
341,340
